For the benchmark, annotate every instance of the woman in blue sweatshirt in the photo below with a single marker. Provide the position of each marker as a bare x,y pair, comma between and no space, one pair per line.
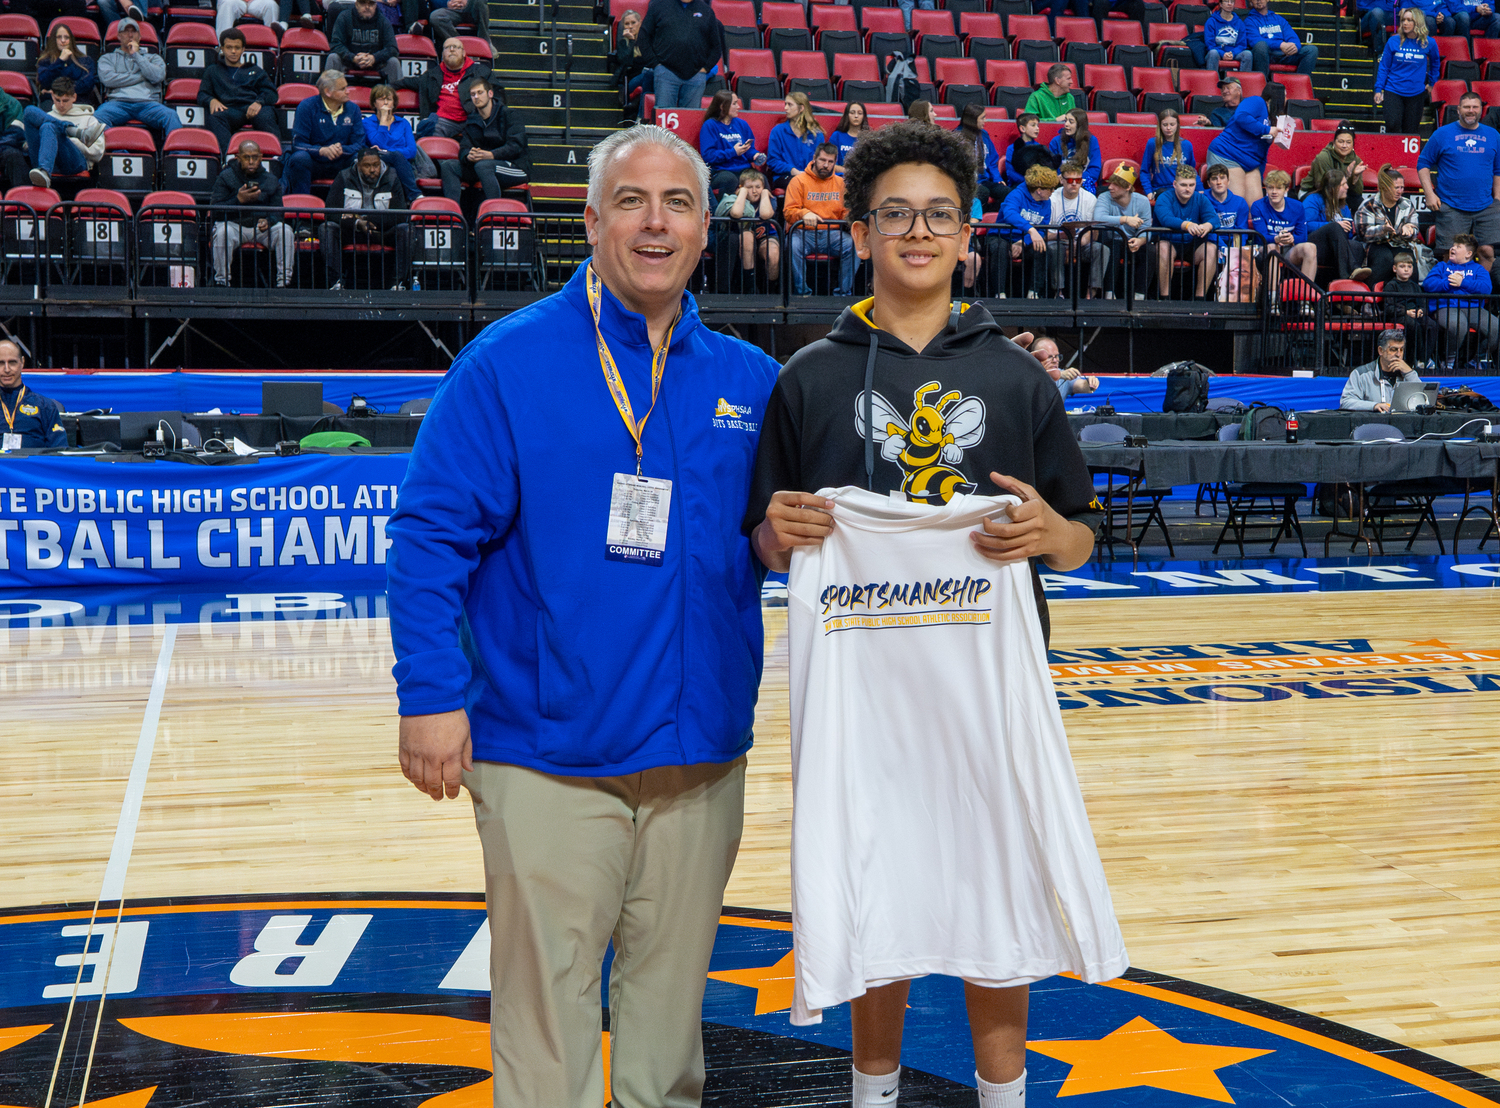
1072,140
1460,273
1165,152
392,136
1409,66
726,142
62,57
1242,147
793,143
1330,228
852,124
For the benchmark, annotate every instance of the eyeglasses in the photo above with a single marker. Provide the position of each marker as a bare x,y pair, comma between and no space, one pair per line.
900,221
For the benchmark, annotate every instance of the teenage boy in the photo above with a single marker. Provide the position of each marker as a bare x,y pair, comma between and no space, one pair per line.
1406,304
753,205
1023,220
1187,212
1070,204
68,139
1129,213
1231,213
909,188
1284,224
1460,273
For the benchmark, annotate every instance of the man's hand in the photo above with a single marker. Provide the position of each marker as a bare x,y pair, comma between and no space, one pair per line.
435,750
1455,279
458,5
1069,374
1382,407
1132,221
793,519
1033,530
331,151
263,225
1291,48
364,61
1015,249
254,109
215,106
1136,243
131,47
247,192
1037,241
810,219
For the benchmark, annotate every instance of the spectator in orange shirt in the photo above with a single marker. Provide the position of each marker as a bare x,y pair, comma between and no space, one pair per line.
815,220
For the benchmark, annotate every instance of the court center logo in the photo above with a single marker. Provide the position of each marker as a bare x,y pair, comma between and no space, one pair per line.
338,1000
930,445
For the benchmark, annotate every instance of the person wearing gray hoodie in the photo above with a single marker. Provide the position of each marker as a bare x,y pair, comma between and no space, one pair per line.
133,80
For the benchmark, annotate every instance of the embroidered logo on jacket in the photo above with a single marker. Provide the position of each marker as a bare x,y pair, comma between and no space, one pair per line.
733,417
929,446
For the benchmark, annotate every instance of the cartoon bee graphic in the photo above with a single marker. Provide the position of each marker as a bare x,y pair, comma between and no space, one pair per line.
931,444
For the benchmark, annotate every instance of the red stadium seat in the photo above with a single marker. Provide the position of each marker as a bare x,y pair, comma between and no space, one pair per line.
1110,77
804,63
1072,28
439,150
1007,74
1135,119
1197,82
980,25
288,96
1019,27
85,31
1298,86
416,52
1127,32
833,17
190,49
16,85
181,96
932,23
129,162
735,13
149,41
1448,92
1253,83
20,42
476,47
782,15
1489,91
190,161
302,54
1152,79
881,20
1112,164
261,46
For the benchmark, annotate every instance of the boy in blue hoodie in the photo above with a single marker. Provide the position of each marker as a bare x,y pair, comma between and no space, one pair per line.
576,621
1231,213
1460,273
1224,36
1283,223
1188,212
1024,213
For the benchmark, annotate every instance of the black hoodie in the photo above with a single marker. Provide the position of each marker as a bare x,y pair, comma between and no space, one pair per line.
811,438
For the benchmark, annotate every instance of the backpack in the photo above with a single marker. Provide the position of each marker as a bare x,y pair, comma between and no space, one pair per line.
1263,421
901,85
1187,388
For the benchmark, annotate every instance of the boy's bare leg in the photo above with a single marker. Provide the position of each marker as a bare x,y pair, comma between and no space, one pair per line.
877,1019
997,1021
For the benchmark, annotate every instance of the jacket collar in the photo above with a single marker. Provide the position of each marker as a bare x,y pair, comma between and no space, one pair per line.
619,324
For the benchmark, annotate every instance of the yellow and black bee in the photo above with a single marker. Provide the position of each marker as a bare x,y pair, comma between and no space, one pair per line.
931,444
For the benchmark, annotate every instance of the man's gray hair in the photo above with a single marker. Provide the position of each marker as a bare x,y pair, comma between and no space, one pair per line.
329,78
1388,336
1056,71
643,135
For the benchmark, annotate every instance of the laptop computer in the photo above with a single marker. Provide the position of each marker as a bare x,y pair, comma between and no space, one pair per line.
1412,396
291,398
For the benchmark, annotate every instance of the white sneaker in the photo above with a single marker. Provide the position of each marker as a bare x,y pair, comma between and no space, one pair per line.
1109,296
1140,296
90,130
41,178
1031,295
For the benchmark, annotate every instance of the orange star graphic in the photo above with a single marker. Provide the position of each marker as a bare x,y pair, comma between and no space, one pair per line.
1437,643
772,984
1140,1054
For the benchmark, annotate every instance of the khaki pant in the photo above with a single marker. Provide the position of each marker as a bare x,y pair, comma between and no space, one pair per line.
571,864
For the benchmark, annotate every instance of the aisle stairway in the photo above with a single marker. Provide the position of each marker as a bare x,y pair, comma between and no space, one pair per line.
524,65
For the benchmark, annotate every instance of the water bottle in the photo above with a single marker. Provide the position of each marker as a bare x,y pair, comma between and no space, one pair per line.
1291,427
416,284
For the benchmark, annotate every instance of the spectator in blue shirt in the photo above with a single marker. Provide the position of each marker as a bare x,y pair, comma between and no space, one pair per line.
1372,21
852,124
1074,143
1166,152
1439,18
1466,157
1023,217
1408,67
727,143
327,133
1187,212
1272,38
793,143
1473,17
392,136
1242,146
971,129
1231,213
1027,151
1283,223
1460,273
1224,36
1330,229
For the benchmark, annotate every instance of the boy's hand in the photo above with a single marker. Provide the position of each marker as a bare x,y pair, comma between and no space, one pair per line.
1034,530
793,519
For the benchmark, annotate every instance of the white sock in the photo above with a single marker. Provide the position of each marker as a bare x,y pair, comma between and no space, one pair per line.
1010,1095
876,1090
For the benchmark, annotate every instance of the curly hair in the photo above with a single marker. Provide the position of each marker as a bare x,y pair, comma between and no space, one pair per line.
902,144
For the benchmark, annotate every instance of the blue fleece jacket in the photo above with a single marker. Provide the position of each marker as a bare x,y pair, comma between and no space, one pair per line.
1232,215
1227,36
1021,211
716,142
1243,142
844,141
1173,213
1269,222
1270,29
1466,163
1475,280
1430,9
1062,149
314,127
1407,68
502,599
1312,211
788,154
1162,176
397,138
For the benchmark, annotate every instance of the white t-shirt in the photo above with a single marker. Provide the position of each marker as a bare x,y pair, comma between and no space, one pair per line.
1080,209
937,825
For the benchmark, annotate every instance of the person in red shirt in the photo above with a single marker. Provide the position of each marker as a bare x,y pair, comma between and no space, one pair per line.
443,91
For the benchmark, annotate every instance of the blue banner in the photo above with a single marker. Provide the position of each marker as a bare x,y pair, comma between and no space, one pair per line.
229,392
279,522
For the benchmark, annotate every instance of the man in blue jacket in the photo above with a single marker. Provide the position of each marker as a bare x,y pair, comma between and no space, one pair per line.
1273,39
31,420
1466,157
576,622
327,133
1187,212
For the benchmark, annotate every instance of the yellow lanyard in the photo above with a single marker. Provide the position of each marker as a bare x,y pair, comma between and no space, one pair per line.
10,413
612,372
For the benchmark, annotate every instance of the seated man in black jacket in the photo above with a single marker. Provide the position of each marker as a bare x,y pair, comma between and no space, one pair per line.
363,39
235,93
491,148
368,192
247,182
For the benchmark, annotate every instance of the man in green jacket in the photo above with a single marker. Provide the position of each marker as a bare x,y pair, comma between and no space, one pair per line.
15,167
1054,99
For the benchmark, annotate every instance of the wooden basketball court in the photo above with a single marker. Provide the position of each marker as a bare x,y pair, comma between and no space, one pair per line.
1311,822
